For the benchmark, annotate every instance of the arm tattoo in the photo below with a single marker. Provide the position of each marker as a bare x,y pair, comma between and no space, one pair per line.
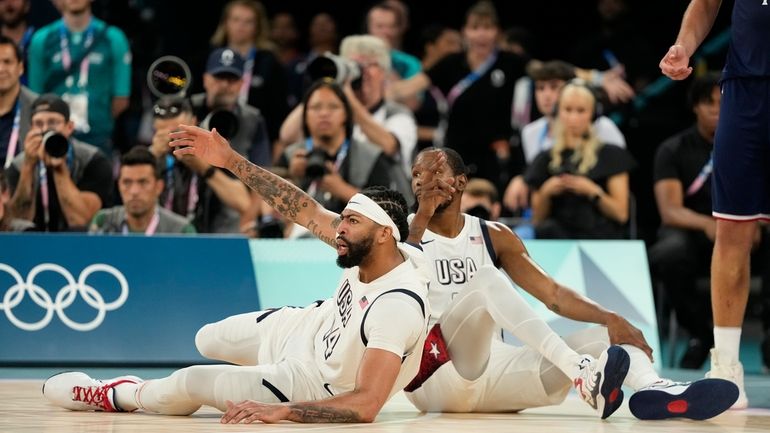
316,230
275,191
301,412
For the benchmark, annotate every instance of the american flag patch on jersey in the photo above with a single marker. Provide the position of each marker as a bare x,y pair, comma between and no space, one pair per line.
476,240
363,302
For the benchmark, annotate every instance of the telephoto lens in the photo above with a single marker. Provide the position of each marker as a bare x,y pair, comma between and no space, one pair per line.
55,144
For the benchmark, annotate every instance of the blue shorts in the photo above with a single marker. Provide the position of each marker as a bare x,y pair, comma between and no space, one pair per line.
741,183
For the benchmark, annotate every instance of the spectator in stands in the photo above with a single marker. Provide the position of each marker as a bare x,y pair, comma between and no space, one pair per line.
14,25
329,164
480,199
382,21
580,186
437,42
549,78
88,63
285,36
222,83
244,28
322,37
402,20
205,195
140,185
7,222
682,253
63,192
15,102
386,124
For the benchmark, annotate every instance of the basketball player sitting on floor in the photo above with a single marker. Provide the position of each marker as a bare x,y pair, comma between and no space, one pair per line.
466,369
338,360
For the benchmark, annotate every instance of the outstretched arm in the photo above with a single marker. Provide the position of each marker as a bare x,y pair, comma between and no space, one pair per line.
376,376
560,299
282,195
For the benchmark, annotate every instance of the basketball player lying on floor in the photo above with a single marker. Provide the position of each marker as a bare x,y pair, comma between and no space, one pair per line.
466,369
338,360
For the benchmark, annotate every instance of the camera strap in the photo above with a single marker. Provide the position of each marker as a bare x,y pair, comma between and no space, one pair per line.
43,181
14,140
248,75
192,190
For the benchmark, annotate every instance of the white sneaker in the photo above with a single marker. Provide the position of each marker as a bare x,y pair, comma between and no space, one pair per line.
699,400
77,391
600,380
732,372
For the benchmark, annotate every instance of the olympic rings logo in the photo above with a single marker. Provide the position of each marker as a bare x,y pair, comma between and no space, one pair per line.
64,298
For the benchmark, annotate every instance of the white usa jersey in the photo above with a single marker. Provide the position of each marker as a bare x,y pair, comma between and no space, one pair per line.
454,261
389,313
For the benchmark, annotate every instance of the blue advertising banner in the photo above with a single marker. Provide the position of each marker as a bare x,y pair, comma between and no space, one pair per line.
115,299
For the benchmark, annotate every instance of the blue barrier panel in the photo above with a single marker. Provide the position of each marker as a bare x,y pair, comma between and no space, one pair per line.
114,299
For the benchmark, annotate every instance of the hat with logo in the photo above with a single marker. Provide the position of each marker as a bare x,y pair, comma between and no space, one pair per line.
51,103
224,61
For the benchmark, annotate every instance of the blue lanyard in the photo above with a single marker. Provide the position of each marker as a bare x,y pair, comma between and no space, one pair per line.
704,174
14,139
543,136
343,152
43,183
471,78
25,39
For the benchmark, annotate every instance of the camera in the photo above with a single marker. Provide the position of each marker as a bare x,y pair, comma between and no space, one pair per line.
56,145
335,67
168,75
224,120
316,164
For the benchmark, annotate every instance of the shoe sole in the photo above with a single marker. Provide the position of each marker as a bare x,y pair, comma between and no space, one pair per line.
618,362
703,399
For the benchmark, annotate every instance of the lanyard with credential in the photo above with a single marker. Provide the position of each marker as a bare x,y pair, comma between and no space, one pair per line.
248,74
704,174
471,78
43,180
66,56
151,227
192,191
343,152
14,140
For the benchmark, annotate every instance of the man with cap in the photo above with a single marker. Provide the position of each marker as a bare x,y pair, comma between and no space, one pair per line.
213,201
338,360
59,182
242,124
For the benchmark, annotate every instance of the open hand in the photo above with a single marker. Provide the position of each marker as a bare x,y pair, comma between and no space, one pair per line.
249,411
206,145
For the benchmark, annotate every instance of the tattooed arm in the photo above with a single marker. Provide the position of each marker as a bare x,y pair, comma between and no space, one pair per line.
376,376
282,195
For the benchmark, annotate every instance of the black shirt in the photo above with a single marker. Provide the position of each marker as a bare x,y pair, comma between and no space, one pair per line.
682,157
482,113
575,212
6,126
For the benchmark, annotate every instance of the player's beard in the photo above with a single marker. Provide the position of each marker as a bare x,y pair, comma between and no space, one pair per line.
357,252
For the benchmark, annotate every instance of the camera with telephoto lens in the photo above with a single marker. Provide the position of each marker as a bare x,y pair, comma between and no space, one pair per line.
316,164
335,67
224,120
55,144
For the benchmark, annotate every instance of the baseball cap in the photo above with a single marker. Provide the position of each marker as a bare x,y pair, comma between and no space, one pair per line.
171,106
224,61
51,103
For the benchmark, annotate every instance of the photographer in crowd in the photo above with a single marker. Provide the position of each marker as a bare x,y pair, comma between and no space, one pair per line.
59,182
329,164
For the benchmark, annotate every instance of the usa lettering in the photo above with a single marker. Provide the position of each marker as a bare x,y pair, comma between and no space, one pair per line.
455,271
345,303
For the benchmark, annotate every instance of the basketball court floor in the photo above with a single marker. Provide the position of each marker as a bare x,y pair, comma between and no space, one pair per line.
23,410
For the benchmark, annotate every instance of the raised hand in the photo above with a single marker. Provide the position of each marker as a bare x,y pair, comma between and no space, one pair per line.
206,145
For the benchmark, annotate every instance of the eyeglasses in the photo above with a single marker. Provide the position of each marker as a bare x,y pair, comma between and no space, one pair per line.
49,124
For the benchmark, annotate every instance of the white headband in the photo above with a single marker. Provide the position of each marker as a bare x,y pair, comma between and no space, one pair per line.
368,208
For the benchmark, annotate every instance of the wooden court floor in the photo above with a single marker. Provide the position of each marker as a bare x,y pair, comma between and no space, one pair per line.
23,410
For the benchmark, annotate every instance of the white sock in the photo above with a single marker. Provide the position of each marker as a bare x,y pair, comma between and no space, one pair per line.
727,342
640,372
